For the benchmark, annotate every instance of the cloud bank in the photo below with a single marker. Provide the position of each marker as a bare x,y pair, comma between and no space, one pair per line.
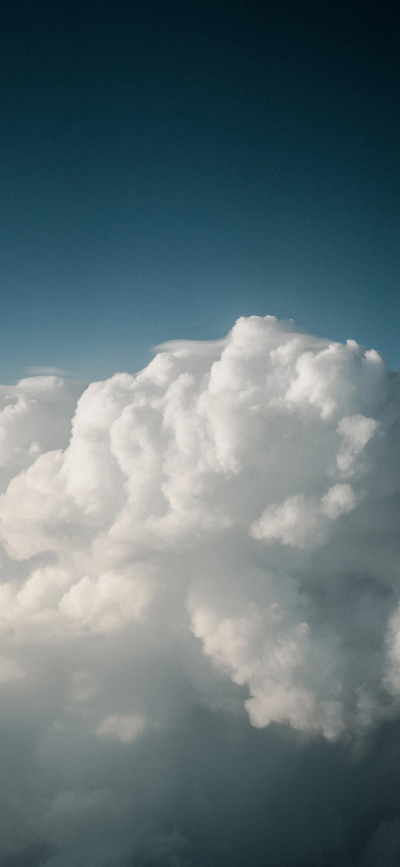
199,609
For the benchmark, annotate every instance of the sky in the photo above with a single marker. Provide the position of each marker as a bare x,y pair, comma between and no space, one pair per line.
168,167
199,434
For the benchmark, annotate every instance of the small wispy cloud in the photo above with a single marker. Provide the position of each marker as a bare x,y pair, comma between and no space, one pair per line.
48,371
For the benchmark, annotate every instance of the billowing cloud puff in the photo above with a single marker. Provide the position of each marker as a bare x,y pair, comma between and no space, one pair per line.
219,531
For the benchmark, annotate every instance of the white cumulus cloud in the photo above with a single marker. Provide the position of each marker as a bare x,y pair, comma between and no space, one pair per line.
224,524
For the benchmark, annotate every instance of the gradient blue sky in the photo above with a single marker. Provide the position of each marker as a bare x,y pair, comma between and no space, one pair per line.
169,166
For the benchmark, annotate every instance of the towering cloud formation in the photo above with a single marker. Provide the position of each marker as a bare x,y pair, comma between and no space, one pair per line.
220,530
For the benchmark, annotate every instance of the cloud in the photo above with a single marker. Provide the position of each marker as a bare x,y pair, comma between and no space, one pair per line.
121,728
302,522
48,371
199,606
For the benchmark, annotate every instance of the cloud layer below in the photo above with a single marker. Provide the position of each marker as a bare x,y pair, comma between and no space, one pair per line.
199,613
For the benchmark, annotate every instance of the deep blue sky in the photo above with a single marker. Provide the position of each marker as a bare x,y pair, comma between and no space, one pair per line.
168,166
